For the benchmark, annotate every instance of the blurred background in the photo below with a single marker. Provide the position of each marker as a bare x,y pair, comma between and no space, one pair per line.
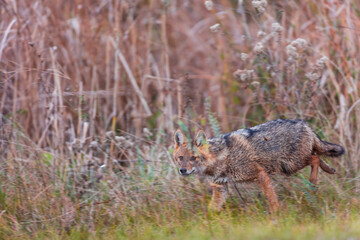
92,91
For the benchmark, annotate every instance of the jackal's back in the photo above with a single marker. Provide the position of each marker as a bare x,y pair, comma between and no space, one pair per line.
284,146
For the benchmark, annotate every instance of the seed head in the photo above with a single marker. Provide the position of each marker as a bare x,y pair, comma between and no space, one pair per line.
261,33
299,43
276,27
215,27
123,142
259,48
291,51
244,56
110,134
209,5
313,76
94,145
120,139
321,63
259,5
255,83
76,145
147,132
243,75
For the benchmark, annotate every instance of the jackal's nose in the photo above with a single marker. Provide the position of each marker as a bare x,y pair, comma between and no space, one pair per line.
183,170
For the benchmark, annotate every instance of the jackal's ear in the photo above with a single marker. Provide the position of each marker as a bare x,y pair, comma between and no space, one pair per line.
179,138
200,138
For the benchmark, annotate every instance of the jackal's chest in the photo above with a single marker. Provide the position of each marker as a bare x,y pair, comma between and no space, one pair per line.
217,173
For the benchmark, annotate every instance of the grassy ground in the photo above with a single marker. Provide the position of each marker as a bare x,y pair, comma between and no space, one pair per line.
176,208
227,225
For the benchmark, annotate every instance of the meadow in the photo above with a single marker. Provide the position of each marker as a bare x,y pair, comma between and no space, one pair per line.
91,92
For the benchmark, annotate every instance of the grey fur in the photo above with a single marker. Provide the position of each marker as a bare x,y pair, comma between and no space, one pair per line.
280,146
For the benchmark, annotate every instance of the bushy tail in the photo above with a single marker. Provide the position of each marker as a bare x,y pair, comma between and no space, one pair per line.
327,148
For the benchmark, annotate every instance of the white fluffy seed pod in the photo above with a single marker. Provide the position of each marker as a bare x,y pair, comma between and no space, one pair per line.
209,5
321,63
276,27
244,56
215,27
259,48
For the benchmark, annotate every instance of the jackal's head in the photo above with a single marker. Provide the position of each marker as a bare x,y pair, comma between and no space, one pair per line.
189,157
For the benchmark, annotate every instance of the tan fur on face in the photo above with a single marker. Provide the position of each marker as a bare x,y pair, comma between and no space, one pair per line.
183,155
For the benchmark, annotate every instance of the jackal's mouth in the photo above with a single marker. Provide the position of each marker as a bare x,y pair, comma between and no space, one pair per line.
186,173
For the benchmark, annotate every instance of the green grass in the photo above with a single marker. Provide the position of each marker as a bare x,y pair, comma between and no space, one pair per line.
288,225
224,227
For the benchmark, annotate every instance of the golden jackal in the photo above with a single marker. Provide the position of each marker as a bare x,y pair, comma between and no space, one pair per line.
251,154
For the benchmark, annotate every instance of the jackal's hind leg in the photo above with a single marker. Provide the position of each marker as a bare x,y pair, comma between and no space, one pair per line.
315,163
264,181
218,196
326,168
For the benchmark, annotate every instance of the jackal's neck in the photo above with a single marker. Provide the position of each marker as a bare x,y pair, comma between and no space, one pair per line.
218,147
218,154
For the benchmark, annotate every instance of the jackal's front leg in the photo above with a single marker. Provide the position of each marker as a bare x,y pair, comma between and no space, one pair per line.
218,196
315,163
266,186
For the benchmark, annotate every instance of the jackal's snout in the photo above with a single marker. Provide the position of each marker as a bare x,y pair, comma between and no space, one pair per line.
185,172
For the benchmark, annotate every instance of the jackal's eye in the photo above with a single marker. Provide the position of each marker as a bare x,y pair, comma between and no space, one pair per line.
193,158
181,158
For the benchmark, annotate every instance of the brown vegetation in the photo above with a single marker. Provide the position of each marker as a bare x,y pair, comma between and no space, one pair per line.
80,80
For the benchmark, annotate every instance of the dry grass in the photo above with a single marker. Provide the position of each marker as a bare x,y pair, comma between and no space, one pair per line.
80,80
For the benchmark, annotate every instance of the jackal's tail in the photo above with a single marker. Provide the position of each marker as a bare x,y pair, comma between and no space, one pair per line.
327,148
